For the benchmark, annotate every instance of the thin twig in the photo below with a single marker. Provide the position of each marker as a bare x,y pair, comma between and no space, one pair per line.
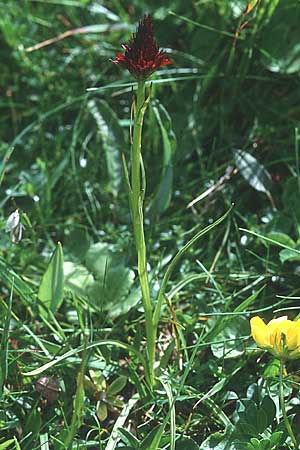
58,38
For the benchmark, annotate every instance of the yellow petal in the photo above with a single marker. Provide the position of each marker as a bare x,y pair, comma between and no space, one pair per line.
292,337
259,331
277,340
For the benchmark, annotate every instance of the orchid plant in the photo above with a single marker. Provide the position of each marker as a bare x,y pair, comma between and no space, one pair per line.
142,57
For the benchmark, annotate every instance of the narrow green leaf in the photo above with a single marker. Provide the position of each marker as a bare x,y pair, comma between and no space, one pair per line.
128,438
112,138
171,399
271,241
51,289
73,352
9,276
152,440
177,258
44,441
4,343
114,436
7,444
163,196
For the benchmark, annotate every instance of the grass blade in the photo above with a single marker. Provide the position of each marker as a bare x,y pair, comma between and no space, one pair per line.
114,436
176,259
4,343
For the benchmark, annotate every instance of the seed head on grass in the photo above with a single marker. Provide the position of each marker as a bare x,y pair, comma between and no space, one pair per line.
142,54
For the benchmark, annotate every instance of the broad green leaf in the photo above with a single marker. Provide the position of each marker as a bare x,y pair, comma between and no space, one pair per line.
281,238
272,369
269,407
104,279
33,425
254,420
227,343
117,385
275,438
271,241
77,278
218,441
186,443
51,289
77,243
102,411
289,255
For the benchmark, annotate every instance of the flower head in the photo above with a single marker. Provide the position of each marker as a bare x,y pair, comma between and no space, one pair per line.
15,227
142,54
280,336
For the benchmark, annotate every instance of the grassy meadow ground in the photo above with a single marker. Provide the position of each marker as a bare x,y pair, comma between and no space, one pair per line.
223,124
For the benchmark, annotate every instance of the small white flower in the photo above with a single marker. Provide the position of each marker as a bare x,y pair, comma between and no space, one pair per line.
13,221
14,227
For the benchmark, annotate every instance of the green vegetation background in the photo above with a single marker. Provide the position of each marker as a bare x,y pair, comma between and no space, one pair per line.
224,122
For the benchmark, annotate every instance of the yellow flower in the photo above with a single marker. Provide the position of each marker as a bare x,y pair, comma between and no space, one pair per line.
280,336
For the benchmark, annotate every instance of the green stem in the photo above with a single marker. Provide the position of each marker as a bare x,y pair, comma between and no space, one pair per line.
78,404
282,405
136,204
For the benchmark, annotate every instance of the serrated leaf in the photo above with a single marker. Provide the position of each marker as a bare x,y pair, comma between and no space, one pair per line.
51,289
104,279
252,171
113,280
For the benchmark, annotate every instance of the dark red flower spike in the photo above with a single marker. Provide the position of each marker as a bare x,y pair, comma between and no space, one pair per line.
142,54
